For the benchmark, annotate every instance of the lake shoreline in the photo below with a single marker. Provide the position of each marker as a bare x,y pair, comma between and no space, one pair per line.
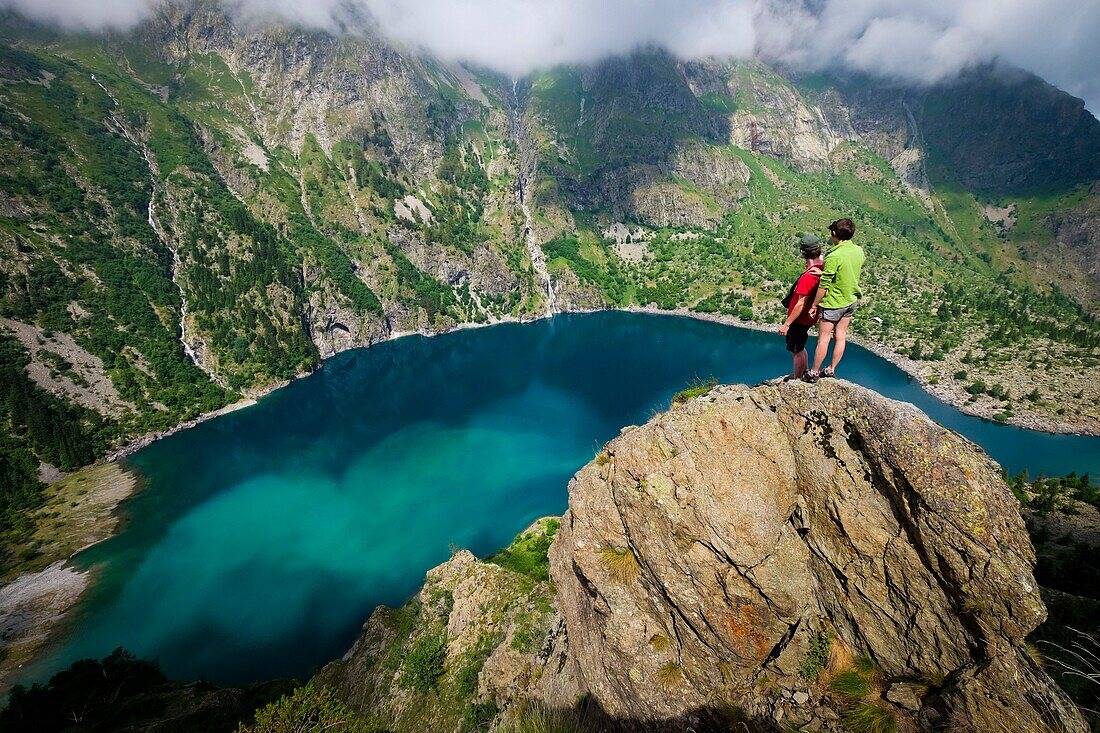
32,608
80,512
149,438
953,398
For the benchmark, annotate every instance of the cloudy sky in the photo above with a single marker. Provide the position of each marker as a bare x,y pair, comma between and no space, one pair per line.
920,40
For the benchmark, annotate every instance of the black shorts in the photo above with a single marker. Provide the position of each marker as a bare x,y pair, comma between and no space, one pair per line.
797,334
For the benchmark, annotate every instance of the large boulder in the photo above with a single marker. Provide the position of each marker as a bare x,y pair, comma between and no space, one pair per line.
748,549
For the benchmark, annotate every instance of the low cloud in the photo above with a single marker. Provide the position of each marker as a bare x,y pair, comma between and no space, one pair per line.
922,41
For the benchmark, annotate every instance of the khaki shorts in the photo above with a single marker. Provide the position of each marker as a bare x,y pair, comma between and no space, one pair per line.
833,315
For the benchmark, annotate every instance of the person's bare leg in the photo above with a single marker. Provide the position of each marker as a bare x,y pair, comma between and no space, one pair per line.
824,336
801,359
841,339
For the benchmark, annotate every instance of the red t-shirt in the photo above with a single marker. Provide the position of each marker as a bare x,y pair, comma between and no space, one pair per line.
806,285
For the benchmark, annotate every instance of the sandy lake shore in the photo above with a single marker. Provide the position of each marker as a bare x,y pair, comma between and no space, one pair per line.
32,607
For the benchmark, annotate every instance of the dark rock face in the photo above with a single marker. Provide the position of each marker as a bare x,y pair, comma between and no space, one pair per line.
706,552
1075,230
1005,131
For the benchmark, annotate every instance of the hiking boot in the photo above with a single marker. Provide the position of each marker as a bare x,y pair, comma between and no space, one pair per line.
811,376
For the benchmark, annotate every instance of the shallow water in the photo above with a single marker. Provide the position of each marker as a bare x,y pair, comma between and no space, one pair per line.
264,538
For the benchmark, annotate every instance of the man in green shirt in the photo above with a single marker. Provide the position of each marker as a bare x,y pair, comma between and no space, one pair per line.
837,297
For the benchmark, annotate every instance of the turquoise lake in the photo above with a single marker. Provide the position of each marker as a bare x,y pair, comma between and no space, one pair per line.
263,539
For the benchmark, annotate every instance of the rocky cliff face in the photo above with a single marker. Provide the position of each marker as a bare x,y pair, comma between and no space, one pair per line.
495,640
993,152
785,555
707,555
297,83
1075,229
765,113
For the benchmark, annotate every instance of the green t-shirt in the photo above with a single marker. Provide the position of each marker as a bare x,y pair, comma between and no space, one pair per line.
840,276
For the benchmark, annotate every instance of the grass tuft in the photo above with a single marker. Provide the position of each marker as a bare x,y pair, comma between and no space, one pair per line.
670,676
621,565
695,388
977,607
869,717
1035,653
865,666
540,719
934,679
840,657
851,685
659,642
856,681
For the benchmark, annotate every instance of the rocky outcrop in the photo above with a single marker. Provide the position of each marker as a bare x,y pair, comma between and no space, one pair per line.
709,557
665,204
484,268
784,557
500,642
713,170
694,190
1076,231
765,113
335,325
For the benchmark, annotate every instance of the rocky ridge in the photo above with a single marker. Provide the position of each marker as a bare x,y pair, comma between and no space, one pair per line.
744,558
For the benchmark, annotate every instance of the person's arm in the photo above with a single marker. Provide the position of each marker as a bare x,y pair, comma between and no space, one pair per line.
821,290
828,274
793,315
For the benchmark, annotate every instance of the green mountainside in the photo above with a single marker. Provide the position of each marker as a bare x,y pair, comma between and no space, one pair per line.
196,212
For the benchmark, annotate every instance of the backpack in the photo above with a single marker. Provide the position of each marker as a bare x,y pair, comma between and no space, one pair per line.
789,297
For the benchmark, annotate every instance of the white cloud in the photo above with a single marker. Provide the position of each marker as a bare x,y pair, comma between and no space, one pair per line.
78,15
919,40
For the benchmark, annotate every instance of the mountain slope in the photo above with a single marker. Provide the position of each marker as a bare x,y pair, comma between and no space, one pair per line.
197,211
